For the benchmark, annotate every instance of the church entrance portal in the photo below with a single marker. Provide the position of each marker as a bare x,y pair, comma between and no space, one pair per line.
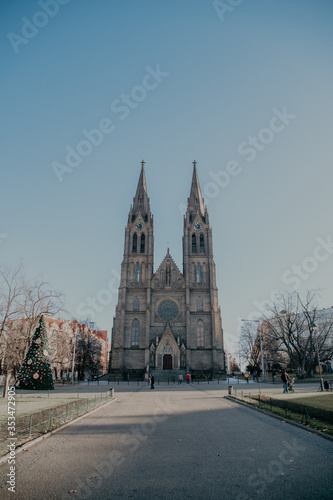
167,362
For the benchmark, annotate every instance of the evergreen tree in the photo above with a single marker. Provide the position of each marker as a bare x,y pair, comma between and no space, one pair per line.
35,372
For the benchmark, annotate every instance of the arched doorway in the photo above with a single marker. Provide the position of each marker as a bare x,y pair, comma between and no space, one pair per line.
167,362
167,352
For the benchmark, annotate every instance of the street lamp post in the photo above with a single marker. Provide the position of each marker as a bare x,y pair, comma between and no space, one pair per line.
314,327
74,356
261,351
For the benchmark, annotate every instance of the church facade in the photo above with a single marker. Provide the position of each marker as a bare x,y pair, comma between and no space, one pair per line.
167,319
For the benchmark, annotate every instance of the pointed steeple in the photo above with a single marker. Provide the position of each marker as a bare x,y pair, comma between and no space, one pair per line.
141,200
195,201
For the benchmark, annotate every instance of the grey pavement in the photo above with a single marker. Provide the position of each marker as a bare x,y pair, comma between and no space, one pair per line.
174,442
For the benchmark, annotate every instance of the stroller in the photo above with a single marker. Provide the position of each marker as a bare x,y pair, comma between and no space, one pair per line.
291,383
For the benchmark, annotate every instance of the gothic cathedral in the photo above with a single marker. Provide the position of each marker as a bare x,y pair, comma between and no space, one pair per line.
167,320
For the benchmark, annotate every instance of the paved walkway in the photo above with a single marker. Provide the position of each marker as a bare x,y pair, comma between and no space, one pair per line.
176,442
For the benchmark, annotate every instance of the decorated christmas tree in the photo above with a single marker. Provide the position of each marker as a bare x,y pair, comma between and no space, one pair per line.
35,372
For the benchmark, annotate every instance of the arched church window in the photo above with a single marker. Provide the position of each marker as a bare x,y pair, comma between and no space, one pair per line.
136,304
142,243
199,304
135,243
204,273
137,272
162,277
198,273
140,199
173,276
202,244
194,243
135,333
200,334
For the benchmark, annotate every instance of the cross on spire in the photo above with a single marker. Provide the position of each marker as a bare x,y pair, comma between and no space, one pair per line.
142,163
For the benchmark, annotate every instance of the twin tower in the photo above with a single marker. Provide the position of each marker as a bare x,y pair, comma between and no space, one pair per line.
167,319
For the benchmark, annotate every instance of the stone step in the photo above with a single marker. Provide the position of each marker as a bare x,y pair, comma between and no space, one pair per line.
165,375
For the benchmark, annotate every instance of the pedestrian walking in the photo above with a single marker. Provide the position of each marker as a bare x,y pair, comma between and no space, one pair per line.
188,378
180,378
152,380
285,379
246,375
254,374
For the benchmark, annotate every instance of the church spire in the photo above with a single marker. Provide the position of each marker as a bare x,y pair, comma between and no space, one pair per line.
195,201
141,200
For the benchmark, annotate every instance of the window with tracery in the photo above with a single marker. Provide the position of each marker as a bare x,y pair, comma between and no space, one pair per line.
194,243
135,333
135,243
142,243
200,334
198,273
202,244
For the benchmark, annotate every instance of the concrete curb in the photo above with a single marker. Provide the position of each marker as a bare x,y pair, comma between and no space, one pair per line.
33,441
278,417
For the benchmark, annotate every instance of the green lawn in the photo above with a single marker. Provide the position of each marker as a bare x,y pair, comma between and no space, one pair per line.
27,405
324,401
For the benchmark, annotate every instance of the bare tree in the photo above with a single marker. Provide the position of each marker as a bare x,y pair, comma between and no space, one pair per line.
88,355
39,299
12,291
247,342
61,351
26,301
289,327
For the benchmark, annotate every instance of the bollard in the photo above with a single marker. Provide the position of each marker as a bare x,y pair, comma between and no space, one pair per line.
229,390
111,392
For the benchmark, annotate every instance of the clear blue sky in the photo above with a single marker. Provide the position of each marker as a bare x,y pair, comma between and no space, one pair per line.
222,77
